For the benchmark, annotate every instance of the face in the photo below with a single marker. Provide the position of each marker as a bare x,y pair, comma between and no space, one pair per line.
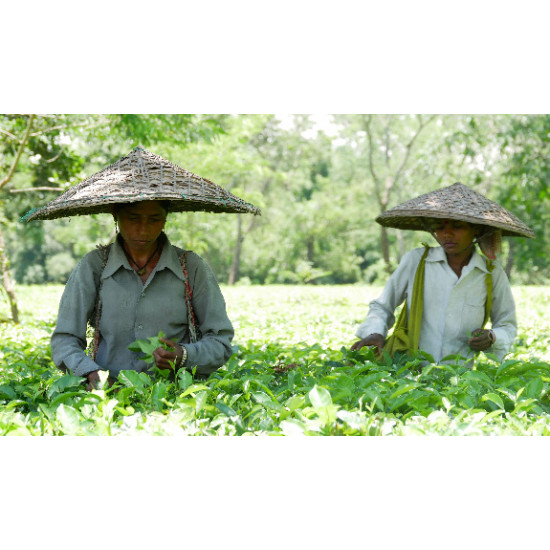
141,223
454,236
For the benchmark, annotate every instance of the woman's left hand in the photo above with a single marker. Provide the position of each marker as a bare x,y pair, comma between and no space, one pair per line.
163,357
481,339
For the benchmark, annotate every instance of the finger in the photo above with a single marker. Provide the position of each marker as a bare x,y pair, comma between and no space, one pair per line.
170,343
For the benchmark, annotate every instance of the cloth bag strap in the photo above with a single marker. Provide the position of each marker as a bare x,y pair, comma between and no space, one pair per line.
489,284
417,303
92,351
406,332
194,330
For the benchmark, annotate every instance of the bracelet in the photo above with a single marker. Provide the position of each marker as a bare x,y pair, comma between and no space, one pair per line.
183,357
492,337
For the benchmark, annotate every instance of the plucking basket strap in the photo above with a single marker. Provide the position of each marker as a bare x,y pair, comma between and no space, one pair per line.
406,332
489,284
97,312
194,330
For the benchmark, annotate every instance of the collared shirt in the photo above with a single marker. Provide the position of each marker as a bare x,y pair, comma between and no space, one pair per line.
453,306
134,310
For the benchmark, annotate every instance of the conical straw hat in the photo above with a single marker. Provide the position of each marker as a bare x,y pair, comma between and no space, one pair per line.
141,176
456,202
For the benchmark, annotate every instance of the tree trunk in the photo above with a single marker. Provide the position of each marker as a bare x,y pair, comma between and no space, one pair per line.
234,271
310,245
385,245
509,262
6,278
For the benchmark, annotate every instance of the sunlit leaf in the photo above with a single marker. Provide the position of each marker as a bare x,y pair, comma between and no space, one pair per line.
61,384
493,397
320,397
403,389
193,389
68,418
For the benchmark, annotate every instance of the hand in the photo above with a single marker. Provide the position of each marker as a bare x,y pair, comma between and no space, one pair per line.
481,339
93,380
163,357
373,340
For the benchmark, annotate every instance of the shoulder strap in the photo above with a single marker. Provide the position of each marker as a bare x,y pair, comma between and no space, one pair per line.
97,335
417,303
194,331
489,283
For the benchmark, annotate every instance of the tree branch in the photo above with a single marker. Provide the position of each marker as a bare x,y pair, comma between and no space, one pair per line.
65,126
15,138
371,161
19,152
31,189
409,146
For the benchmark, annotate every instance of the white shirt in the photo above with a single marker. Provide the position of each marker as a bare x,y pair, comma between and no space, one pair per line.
453,306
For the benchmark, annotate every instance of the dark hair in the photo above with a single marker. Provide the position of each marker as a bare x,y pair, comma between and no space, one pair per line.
118,206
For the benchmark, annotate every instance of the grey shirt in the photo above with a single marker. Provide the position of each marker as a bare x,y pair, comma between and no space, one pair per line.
133,310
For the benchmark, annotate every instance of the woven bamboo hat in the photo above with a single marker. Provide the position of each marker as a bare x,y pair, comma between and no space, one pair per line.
456,202
141,176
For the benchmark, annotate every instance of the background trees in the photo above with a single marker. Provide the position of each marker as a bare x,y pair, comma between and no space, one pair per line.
319,189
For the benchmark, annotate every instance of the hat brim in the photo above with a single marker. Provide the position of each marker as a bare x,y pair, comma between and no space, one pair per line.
456,202
142,176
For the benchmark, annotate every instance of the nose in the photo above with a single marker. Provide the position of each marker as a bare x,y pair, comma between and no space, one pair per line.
142,228
447,229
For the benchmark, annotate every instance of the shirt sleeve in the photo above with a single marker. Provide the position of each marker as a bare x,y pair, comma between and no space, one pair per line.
214,348
77,303
503,314
381,317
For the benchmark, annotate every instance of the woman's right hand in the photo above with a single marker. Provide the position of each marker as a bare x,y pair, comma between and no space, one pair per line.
372,340
93,380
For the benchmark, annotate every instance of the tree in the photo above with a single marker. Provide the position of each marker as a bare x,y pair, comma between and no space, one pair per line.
526,143
385,144
44,154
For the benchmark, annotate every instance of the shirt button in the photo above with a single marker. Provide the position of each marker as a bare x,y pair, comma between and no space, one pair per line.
143,294
140,327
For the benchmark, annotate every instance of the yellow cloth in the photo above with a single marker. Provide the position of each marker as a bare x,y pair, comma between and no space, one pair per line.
405,336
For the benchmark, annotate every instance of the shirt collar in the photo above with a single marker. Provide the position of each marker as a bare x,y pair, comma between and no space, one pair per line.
437,254
168,259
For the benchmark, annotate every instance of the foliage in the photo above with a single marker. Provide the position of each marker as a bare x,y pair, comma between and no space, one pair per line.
319,193
148,346
526,191
291,374
61,151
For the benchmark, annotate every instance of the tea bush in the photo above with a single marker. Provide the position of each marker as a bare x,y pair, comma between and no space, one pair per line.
291,373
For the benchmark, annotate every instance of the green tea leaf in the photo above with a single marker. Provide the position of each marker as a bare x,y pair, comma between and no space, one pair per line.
68,418
320,397
263,399
184,379
225,409
194,389
61,384
403,389
158,394
6,391
493,397
534,388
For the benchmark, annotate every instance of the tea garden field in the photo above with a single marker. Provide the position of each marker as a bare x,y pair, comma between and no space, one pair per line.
291,374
